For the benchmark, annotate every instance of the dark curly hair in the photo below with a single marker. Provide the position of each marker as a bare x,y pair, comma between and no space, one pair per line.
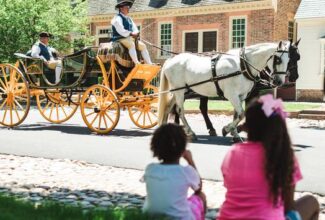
279,157
168,142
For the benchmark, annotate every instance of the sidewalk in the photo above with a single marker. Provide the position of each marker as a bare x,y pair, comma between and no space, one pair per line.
90,185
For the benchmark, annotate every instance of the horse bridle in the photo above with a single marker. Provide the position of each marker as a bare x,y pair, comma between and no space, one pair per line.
276,61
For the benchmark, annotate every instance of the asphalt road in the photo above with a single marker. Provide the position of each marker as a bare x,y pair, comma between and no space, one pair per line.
128,146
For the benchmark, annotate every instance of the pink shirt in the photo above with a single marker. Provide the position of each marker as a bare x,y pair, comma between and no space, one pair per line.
247,196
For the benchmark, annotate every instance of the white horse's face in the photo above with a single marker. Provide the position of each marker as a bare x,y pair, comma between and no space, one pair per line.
279,64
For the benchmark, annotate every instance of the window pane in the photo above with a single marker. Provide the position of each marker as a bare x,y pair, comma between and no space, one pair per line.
165,38
192,42
238,33
209,41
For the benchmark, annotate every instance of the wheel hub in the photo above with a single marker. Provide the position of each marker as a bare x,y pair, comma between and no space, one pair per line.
10,98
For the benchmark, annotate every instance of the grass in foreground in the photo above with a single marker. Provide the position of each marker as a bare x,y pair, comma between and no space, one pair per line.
13,209
193,104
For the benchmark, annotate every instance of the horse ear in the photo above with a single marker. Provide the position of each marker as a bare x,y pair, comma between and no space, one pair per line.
296,44
290,41
280,45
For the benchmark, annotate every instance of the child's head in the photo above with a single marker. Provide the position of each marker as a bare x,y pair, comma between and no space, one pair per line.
168,142
265,123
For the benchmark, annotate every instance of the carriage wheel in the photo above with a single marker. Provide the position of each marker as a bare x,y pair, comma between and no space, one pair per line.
14,96
100,109
56,106
145,115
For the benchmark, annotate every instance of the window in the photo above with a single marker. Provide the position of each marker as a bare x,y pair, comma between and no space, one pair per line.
200,41
291,26
238,32
104,35
165,39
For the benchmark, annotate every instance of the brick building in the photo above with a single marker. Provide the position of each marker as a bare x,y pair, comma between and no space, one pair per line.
200,25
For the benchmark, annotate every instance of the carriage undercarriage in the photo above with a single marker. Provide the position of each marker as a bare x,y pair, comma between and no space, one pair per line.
97,85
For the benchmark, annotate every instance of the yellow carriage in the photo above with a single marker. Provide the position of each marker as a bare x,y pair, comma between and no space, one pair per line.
94,79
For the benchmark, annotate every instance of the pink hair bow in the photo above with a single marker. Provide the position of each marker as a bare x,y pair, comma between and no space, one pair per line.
272,106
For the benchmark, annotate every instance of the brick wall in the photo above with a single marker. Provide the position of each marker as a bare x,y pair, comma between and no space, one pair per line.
285,13
261,24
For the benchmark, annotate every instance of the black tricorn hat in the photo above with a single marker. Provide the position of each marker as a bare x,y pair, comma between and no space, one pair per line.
121,3
45,34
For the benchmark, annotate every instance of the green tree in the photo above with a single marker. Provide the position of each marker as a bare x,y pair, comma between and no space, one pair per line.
22,20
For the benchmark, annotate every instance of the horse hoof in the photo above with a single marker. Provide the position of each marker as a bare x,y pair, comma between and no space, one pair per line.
237,140
213,133
224,132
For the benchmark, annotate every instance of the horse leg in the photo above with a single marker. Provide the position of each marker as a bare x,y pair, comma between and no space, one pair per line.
176,119
179,96
204,112
238,116
170,107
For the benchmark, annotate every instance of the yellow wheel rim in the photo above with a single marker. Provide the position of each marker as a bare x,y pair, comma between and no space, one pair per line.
14,96
145,116
56,107
100,109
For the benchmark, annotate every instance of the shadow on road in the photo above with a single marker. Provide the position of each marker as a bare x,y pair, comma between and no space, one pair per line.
78,130
300,147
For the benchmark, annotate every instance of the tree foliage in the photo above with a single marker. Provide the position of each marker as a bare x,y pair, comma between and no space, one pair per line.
22,20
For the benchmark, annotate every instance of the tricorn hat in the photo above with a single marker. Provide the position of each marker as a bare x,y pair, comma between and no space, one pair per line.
121,3
45,34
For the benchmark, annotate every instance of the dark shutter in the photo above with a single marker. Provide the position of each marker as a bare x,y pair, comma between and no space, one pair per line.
209,41
192,42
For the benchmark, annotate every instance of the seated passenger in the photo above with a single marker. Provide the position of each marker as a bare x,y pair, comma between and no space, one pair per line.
168,182
42,50
260,175
125,31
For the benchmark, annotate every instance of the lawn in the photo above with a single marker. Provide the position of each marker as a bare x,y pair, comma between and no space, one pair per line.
13,209
193,104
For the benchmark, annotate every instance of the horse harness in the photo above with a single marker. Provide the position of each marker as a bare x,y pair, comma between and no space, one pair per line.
245,70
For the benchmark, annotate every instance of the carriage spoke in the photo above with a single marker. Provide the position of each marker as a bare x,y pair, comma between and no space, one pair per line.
2,83
63,110
92,122
10,113
91,113
105,122
57,111
4,115
18,104
16,111
144,118
51,111
149,117
100,120
5,77
4,102
109,117
47,105
139,116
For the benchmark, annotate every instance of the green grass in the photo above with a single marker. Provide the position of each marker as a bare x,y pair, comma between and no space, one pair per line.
193,104
13,209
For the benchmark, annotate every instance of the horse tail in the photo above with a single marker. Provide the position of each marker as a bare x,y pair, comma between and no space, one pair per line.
163,98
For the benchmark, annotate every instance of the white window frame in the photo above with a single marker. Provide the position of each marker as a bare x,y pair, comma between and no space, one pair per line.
322,57
98,35
231,18
159,39
200,38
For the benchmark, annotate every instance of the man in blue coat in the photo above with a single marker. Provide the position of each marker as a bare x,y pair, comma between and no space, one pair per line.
125,31
42,50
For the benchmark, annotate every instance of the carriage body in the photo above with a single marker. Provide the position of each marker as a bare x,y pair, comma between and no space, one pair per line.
98,83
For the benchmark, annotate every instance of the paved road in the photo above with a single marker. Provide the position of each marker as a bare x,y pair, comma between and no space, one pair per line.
128,146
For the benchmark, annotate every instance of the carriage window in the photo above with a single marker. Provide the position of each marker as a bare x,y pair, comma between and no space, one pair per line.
191,42
165,39
290,30
238,33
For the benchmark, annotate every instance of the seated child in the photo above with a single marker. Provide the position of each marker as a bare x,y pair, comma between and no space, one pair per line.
168,182
260,175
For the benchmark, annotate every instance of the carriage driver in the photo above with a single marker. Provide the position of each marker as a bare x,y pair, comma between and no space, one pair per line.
42,50
125,31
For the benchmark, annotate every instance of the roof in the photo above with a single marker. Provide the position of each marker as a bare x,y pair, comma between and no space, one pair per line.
104,7
311,9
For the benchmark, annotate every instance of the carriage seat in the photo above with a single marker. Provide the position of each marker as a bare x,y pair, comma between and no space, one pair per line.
115,51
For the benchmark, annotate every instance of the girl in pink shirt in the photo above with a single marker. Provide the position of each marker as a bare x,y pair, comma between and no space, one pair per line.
260,174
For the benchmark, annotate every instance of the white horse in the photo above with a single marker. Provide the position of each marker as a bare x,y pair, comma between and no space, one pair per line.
187,69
